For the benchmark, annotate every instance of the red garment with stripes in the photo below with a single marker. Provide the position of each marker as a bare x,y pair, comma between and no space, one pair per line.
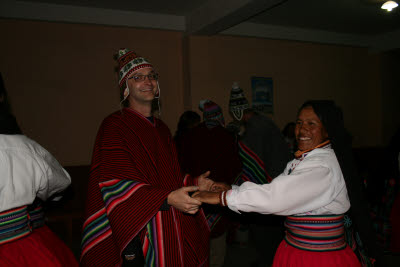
129,147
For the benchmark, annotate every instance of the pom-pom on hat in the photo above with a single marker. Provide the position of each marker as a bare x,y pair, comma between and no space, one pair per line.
237,101
128,62
212,113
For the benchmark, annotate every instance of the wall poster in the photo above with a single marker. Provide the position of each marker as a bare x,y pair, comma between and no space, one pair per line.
262,91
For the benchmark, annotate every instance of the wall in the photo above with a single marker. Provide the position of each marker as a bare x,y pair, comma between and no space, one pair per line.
300,71
61,80
390,94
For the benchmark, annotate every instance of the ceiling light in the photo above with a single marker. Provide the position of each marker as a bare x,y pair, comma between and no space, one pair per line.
389,5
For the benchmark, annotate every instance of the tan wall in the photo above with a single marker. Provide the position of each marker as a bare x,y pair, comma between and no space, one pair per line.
300,71
61,80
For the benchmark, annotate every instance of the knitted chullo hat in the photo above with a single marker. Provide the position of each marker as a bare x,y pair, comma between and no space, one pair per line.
237,101
212,113
129,62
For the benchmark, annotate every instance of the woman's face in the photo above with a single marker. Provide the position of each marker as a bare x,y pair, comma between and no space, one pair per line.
309,130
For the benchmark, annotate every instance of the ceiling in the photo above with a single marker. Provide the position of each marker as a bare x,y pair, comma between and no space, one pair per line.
345,18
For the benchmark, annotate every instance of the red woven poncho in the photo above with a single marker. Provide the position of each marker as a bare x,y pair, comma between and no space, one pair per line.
134,168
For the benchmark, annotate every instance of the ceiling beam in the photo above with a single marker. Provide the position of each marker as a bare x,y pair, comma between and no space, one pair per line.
218,15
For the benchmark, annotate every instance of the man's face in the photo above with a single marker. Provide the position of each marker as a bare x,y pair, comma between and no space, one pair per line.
142,86
309,130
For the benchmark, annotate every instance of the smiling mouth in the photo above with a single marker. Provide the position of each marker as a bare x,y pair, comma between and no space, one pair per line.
147,90
304,138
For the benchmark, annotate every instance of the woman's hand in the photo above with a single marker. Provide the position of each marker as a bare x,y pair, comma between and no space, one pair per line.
219,187
207,197
205,183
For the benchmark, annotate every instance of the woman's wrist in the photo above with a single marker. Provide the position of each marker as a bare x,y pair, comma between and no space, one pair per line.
222,198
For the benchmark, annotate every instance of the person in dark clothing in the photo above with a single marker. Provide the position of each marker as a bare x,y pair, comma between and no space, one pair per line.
261,134
263,144
187,121
210,147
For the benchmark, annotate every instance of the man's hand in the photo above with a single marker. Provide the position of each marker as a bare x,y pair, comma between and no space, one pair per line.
181,200
205,183
207,197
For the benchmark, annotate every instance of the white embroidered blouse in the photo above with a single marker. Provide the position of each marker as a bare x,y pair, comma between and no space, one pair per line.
310,185
27,171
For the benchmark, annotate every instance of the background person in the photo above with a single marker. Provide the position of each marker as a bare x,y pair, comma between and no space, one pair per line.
210,147
187,121
264,154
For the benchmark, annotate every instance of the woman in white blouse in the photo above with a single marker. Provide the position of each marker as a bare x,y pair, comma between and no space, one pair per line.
28,172
311,192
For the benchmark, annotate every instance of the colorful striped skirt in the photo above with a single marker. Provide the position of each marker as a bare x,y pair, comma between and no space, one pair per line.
315,241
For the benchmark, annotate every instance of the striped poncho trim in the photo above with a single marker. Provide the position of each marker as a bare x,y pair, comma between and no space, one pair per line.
152,246
213,219
253,167
97,227
316,233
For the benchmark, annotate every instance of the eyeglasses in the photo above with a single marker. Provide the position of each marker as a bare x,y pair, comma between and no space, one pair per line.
141,78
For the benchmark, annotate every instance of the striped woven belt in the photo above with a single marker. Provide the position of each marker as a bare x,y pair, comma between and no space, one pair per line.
14,224
36,216
316,232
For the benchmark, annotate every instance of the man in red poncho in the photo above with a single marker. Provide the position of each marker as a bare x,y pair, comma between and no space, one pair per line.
138,209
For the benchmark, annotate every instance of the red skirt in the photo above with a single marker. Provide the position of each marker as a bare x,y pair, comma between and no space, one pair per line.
289,256
40,248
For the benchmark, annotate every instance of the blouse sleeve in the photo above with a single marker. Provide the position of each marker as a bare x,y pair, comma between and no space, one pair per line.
310,186
54,178
27,171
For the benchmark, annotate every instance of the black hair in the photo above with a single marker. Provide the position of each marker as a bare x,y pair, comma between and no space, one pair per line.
8,123
331,117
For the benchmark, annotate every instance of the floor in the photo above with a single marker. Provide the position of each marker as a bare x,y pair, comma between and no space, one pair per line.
255,242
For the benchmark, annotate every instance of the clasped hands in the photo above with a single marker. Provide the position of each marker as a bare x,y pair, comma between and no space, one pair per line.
207,191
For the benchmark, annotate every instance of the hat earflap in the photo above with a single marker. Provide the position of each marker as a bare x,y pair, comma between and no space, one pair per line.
126,91
238,114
